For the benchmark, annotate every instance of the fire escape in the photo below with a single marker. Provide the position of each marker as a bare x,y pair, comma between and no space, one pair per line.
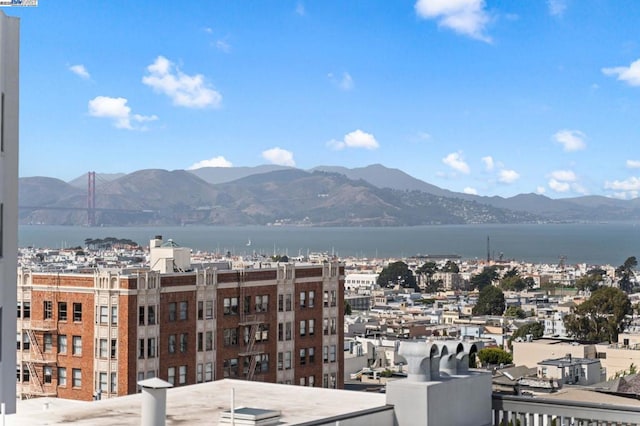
251,327
38,357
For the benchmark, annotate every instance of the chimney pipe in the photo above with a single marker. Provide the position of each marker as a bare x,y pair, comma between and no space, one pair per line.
154,402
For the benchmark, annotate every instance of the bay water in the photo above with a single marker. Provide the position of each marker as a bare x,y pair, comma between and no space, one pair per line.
601,243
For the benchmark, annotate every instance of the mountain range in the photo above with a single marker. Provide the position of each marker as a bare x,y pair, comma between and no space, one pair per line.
275,195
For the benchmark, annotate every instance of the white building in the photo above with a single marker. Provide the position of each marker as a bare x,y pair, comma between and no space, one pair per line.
360,283
571,371
9,94
554,325
167,257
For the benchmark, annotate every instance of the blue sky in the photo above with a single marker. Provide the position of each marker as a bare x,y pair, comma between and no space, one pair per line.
486,97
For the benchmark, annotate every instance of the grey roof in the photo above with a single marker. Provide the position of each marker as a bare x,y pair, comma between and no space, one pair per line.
629,384
564,361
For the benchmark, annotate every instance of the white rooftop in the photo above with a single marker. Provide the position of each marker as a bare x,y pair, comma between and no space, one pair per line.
201,404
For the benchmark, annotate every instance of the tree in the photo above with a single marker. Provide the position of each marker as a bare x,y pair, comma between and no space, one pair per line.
512,281
428,269
535,329
632,370
490,302
109,242
494,356
513,272
397,273
591,281
602,317
451,266
347,308
512,284
624,272
433,286
515,311
484,278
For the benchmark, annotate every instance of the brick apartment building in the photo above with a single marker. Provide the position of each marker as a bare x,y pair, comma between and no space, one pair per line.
87,335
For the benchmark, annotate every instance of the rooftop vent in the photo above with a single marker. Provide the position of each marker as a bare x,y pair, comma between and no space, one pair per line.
427,361
250,416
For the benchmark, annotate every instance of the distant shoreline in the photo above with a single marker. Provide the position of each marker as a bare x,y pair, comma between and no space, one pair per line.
593,243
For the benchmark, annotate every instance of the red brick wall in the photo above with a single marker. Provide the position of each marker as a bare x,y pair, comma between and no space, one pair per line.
177,327
307,341
63,280
127,345
309,273
70,328
232,321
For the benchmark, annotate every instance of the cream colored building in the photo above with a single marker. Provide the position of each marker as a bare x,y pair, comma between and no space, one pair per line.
614,358
618,357
531,353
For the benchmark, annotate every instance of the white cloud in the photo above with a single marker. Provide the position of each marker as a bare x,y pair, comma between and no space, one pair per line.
355,139
467,17
630,184
223,46
571,140
489,164
189,91
630,74
565,181
345,82
218,161
208,30
541,190
117,110
300,10
576,187
559,186
624,195
80,71
469,190
557,7
456,162
626,189
508,176
423,136
279,156
633,164
564,175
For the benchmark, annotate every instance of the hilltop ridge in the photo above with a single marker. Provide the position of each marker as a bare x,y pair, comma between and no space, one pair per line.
323,196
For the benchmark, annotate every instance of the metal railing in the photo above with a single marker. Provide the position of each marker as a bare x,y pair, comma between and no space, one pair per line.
509,410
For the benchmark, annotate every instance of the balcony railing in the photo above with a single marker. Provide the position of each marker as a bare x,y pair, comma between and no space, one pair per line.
509,410
252,319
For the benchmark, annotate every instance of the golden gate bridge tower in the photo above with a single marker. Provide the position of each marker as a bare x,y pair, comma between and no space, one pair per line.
91,199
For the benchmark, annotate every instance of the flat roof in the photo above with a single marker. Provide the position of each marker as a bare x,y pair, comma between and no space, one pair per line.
563,362
201,404
569,393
